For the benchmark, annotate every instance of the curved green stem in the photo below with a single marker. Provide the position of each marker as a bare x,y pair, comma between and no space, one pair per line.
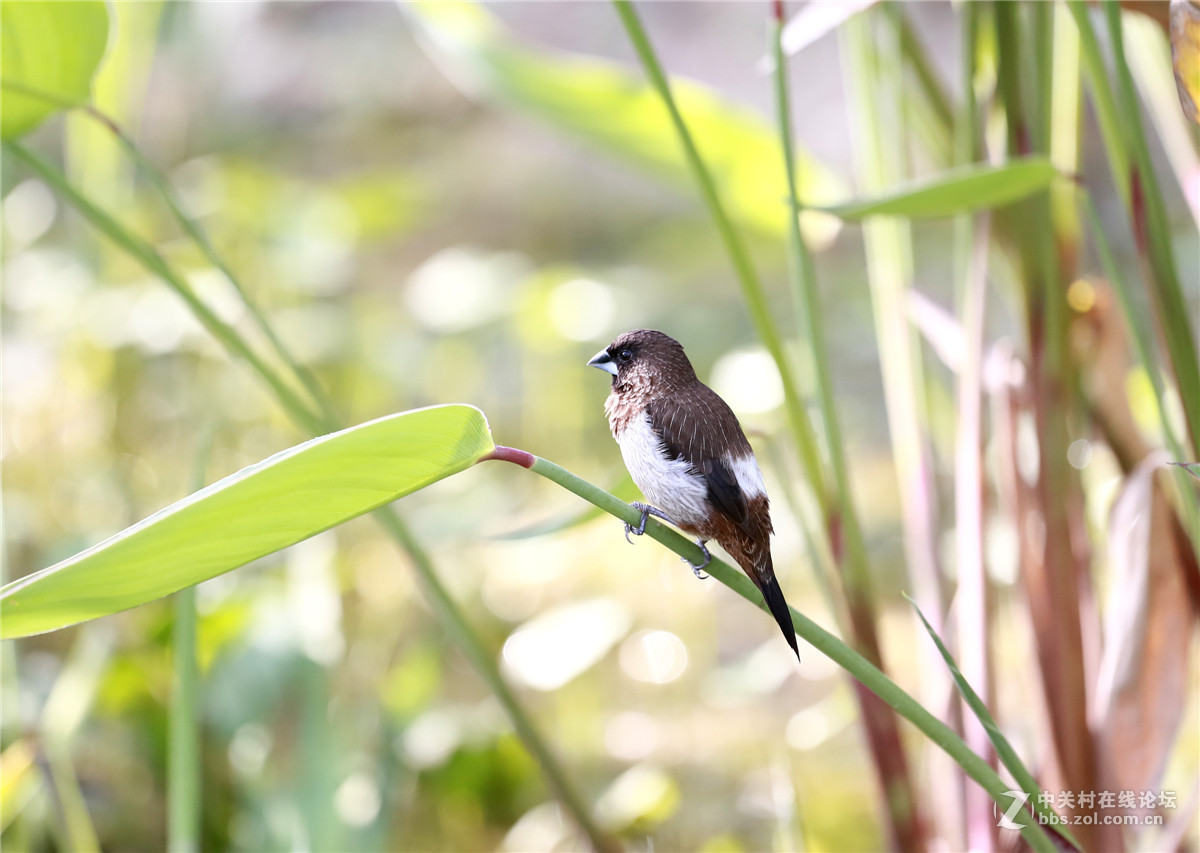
317,423
855,664
155,263
191,228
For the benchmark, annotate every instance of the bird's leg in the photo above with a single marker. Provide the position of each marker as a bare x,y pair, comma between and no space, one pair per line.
646,510
697,568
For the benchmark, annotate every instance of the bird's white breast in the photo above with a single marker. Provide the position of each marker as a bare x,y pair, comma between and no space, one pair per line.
669,484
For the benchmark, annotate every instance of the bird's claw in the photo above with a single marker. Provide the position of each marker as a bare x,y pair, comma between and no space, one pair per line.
698,568
646,510
641,528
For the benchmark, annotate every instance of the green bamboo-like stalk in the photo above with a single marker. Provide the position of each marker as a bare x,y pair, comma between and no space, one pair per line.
191,227
746,274
1120,120
184,775
1051,576
803,283
888,250
447,610
484,662
865,672
1146,356
927,104
886,747
1153,230
145,254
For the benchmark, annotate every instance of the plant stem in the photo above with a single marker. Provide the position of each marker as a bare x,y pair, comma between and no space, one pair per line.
156,264
190,227
184,775
865,672
1119,115
1144,351
747,276
317,423
887,750
485,664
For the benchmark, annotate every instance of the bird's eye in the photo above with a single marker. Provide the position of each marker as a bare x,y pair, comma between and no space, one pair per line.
625,356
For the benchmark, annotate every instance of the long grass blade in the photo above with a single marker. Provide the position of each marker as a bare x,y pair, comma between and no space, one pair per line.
1003,748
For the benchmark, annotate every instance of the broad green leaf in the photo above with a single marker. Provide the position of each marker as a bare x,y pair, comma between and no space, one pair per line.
1007,755
612,106
956,191
48,54
270,505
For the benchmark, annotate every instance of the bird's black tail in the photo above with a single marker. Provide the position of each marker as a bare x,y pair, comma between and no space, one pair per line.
773,595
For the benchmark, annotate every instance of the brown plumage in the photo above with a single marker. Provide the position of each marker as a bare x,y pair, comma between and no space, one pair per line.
687,453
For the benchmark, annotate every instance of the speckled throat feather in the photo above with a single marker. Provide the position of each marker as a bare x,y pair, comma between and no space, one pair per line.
626,402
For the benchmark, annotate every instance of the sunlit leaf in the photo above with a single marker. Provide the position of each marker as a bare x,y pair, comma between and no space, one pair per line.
275,503
1007,755
48,54
956,191
613,107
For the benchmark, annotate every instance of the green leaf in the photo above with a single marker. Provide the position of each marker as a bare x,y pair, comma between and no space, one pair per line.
270,505
48,54
612,107
956,191
1008,756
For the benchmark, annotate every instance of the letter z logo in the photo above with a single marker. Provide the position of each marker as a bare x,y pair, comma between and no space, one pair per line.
1018,801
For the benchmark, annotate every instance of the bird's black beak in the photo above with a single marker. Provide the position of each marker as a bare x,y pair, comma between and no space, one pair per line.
603,361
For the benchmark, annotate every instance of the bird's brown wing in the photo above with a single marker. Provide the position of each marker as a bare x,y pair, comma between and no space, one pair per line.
698,427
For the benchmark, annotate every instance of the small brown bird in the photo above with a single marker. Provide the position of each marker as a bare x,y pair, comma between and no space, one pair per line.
687,453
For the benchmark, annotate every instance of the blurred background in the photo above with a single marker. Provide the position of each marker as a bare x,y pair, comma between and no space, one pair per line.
418,233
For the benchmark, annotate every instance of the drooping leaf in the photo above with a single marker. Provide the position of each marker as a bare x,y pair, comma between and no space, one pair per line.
1143,679
267,506
1004,750
955,191
612,107
48,54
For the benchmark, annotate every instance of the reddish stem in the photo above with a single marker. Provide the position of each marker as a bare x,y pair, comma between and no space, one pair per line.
511,454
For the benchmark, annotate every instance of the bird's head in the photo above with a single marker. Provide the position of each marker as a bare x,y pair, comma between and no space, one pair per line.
645,361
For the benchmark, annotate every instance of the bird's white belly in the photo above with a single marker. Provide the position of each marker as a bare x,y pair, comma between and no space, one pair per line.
668,484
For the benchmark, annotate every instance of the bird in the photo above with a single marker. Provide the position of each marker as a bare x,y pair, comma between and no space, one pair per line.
688,455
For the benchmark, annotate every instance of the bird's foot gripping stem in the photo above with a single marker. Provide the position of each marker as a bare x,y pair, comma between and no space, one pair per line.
646,510
698,568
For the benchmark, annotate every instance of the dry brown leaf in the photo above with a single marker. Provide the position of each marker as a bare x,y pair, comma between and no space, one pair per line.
1142,684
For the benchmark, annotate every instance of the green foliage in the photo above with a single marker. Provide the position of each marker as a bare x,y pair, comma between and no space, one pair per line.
390,246
278,502
1008,755
49,52
614,109
969,188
